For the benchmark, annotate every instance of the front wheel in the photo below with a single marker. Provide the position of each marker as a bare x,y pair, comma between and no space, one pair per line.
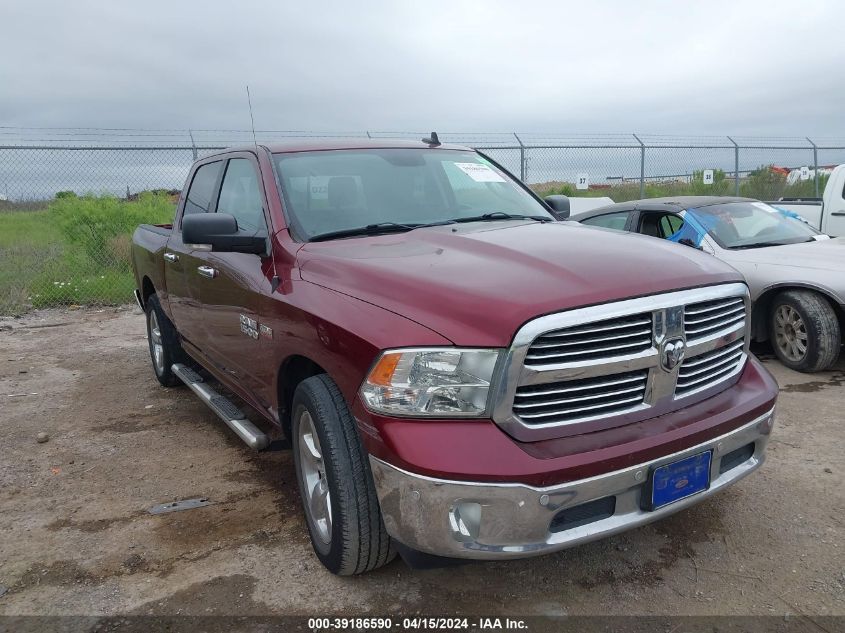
804,331
335,482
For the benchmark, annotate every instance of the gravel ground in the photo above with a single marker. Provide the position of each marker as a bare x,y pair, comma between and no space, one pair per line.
76,537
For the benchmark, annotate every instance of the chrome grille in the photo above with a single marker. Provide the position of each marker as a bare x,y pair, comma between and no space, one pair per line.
593,341
706,318
705,370
607,365
576,399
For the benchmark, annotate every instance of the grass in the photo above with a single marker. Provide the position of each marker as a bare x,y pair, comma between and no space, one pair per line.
28,242
74,251
763,184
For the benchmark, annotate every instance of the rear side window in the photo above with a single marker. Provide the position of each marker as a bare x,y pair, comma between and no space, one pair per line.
616,220
240,196
202,189
662,225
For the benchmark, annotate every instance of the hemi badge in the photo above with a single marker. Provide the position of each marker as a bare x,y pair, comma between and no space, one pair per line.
265,331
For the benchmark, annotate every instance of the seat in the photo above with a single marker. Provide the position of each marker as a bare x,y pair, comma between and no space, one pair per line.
649,225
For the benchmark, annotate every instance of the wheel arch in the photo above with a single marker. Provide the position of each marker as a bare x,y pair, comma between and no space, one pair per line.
147,289
292,371
762,306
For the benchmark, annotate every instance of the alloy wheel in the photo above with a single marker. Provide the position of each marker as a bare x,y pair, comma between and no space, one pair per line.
312,471
790,333
156,344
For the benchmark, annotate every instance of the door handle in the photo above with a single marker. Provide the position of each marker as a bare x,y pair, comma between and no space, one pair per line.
207,271
171,257
838,213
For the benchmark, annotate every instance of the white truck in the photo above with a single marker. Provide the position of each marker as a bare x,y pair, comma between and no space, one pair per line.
827,213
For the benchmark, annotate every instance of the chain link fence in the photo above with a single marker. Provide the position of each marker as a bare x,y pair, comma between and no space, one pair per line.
70,199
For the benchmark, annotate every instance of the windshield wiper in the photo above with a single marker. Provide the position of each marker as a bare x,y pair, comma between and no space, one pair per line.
369,229
764,244
501,215
398,227
376,229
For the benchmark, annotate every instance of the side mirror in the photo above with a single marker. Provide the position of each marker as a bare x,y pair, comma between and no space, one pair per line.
220,231
688,242
559,206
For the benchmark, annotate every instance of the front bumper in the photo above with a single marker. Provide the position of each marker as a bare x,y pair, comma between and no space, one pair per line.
499,520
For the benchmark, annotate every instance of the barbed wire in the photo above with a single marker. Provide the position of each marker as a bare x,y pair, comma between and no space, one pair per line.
192,136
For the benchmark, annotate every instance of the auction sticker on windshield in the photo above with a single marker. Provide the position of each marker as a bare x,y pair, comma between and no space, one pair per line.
479,172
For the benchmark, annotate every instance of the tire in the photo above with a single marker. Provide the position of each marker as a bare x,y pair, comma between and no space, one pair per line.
164,341
804,331
335,482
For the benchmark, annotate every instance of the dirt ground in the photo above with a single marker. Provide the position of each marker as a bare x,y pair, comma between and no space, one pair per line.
76,537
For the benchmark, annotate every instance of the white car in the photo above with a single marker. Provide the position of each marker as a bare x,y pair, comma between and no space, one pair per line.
796,274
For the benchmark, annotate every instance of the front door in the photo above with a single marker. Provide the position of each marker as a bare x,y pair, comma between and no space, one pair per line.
232,284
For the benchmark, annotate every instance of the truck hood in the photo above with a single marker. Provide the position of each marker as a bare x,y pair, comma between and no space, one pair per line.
819,254
477,283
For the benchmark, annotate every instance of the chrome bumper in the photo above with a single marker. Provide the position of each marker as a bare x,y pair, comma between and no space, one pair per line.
493,521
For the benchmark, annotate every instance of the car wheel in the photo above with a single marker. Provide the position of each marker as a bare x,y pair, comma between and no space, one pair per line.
335,482
804,331
164,343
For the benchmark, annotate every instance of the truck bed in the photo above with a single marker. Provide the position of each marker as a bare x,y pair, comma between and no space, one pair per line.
148,244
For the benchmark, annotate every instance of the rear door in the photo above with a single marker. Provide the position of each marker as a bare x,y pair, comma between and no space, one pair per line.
181,260
232,284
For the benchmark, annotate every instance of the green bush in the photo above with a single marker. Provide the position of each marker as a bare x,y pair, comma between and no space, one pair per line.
94,222
77,251
764,183
720,187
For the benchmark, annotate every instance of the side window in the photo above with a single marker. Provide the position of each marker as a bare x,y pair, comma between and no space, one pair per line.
615,221
202,188
240,195
670,224
657,224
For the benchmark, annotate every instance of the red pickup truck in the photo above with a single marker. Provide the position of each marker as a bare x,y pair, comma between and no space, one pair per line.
459,374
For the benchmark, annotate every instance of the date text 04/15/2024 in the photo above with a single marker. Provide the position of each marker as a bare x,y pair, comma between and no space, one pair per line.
417,623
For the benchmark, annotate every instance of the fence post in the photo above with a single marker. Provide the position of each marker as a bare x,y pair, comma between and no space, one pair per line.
815,164
193,145
522,169
736,166
642,165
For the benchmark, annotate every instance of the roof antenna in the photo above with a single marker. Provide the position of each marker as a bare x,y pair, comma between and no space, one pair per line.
249,101
432,140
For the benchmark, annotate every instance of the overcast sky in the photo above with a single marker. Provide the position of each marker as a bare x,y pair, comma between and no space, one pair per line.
712,67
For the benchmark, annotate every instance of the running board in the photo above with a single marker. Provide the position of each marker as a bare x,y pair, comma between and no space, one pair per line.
223,407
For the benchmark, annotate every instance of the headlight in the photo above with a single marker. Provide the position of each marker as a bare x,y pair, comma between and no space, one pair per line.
434,382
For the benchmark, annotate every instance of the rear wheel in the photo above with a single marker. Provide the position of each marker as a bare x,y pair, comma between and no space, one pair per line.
804,331
164,343
335,482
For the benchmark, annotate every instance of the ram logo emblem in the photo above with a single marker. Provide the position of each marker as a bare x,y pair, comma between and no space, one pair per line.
672,353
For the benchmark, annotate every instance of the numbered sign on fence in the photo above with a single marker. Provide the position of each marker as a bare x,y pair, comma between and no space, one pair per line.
805,173
707,176
583,181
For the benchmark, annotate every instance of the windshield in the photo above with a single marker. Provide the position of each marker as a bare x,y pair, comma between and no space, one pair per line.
752,225
339,190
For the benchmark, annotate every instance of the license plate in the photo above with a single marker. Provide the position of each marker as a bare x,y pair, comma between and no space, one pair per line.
678,480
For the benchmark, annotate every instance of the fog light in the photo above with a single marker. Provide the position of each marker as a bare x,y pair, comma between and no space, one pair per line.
465,519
